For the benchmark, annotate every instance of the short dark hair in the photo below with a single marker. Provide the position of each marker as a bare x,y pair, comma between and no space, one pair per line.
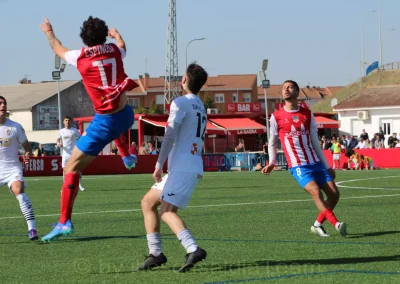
296,86
196,77
4,99
67,117
94,31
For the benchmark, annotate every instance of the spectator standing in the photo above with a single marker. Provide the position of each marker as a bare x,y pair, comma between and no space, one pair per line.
381,134
344,141
142,149
391,140
40,152
133,149
379,143
240,147
361,144
368,144
364,135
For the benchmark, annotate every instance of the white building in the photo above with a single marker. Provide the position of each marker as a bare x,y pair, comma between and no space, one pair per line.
35,106
369,109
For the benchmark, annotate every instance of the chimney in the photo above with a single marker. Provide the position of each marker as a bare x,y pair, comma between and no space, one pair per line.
146,80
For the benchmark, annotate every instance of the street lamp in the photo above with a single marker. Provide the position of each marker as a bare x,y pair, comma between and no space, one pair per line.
189,44
265,84
57,76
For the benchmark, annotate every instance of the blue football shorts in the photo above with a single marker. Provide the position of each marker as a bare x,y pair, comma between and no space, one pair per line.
103,129
307,173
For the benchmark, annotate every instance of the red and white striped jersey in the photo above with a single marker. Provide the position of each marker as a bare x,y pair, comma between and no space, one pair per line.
294,129
103,75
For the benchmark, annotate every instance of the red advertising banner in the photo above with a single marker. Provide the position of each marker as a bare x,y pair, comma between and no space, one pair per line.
42,166
102,165
243,107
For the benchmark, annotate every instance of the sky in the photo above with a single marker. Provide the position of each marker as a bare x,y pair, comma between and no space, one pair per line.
314,42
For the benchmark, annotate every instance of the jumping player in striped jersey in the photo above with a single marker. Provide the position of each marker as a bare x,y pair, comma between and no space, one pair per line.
101,67
297,130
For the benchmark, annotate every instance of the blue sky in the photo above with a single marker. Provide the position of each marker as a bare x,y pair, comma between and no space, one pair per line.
312,41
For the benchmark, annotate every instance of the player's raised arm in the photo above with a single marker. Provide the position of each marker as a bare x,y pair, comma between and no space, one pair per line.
113,33
55,44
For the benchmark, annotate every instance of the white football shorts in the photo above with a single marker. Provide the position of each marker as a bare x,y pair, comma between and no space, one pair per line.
11,175
178,187
65,159
336,157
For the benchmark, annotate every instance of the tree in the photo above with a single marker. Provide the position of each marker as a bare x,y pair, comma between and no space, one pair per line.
140,110
156,109
208,101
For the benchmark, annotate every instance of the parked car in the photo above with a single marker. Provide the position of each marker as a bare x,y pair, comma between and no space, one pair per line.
51,149
34,145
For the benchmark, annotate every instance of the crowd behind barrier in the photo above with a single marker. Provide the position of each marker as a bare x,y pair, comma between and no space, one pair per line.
240,161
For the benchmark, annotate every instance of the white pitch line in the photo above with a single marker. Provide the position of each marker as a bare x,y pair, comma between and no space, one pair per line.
339,184
212,205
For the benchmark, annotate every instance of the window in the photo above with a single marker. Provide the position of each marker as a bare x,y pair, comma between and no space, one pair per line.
159,99
247,98
219,98
134,102
235,98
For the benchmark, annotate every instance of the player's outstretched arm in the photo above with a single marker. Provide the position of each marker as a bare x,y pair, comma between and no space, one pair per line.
113,33
28,151
55,44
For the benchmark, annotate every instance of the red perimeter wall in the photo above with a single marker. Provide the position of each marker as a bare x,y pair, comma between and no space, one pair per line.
112,164
383,158
102,165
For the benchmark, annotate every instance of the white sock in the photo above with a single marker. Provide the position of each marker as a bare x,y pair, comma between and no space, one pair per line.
187,241
154,243
27,210
317,224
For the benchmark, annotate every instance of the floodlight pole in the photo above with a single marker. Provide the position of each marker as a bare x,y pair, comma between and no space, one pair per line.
266,112
263,78
59,104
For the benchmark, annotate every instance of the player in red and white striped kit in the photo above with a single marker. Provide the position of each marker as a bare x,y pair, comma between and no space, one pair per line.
298,133
101,67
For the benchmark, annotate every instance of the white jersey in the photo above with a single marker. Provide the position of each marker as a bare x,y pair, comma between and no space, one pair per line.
11,135
68,138
188,111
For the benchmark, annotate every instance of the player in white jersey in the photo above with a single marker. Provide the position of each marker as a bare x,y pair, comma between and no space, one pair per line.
182,144
66,140
11,135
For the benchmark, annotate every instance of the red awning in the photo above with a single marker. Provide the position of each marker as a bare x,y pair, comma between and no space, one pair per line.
156,121
162,122
239,126
215,129
323,122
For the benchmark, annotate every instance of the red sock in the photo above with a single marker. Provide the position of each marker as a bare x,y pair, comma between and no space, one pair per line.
321,217
68,195
122,146
330,216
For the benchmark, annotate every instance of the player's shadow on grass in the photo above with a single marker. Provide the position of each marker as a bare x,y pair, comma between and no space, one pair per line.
305,262
372,234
